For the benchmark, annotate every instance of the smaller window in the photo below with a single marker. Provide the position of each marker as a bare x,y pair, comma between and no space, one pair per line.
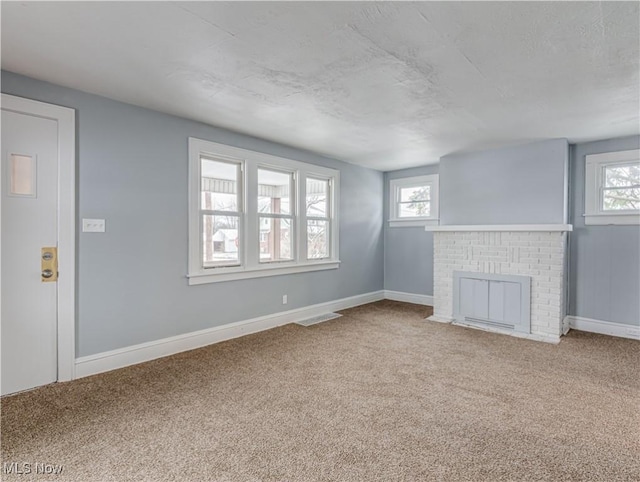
413,201
612,188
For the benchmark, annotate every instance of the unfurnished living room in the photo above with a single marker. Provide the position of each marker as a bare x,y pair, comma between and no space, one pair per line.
320,241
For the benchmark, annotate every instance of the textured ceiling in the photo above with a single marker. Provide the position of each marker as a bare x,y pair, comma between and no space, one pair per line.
385,85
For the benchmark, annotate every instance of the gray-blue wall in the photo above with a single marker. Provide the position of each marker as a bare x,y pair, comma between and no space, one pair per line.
408,251
132,171
524,184
604,264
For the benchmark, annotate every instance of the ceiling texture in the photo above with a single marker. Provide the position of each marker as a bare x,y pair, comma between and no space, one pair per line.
384,85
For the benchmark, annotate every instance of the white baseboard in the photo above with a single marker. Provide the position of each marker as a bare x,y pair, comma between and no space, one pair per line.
409,297
604,327
131,355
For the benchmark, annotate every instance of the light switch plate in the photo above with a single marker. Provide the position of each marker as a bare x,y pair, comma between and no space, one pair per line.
93,226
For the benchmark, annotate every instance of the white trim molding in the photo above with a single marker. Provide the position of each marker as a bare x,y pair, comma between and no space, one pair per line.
501,227
66,311
132,355
408,223
409,297
604,327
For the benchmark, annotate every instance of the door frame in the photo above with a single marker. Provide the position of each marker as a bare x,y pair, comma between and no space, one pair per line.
66,292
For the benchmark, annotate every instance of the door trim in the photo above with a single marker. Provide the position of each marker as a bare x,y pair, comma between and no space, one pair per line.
66,299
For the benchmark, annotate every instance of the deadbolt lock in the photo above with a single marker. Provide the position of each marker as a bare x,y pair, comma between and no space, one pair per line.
49,264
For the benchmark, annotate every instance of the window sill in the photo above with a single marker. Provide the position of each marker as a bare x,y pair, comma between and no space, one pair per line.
601,219
231,274
412,223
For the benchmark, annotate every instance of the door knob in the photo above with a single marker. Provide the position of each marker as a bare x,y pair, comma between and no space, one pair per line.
47,273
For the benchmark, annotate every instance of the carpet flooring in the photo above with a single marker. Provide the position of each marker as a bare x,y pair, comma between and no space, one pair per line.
378,394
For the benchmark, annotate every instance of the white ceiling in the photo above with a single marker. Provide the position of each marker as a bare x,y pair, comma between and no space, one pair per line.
384,85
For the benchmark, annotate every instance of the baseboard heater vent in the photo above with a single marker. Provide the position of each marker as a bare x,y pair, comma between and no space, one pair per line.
469,319
318,319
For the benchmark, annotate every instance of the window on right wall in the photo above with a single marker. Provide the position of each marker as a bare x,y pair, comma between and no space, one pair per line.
413,201
612,188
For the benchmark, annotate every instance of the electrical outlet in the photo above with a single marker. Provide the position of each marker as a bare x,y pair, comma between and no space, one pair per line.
93,226
284,299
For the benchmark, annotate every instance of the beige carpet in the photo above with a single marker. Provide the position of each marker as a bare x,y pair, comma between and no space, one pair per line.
378,394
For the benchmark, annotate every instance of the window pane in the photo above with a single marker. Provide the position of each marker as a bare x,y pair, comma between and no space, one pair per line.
275,239
317,239
22,174
274,194
317,196
219,185
416,193
622,176
415,209
220,237
621,199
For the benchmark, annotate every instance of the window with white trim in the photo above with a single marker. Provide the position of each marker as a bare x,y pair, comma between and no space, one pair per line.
612,188
253,214
413,201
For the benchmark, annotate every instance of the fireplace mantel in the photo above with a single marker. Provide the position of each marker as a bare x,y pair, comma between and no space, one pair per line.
501,227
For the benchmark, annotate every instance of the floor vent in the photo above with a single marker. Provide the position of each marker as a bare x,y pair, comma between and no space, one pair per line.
318,319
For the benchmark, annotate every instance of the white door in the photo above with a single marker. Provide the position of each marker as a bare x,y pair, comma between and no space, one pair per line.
29,224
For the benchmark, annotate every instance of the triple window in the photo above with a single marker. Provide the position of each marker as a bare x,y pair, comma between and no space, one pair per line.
252,214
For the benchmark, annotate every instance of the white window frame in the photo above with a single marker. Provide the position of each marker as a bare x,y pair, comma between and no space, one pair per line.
395,186
249,229
595,165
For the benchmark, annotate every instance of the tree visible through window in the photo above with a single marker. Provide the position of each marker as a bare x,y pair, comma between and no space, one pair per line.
612,188
621,190
413,201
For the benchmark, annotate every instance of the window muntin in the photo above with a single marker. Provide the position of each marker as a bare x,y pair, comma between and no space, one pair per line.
318,211
257,219
612,188
220,212
275,215
413,201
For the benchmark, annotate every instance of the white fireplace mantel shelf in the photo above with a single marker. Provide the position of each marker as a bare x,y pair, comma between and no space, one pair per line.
502,227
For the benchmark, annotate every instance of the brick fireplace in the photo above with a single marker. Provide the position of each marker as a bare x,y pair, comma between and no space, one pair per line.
535,251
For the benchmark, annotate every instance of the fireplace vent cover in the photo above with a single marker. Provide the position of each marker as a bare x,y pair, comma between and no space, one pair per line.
492,300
